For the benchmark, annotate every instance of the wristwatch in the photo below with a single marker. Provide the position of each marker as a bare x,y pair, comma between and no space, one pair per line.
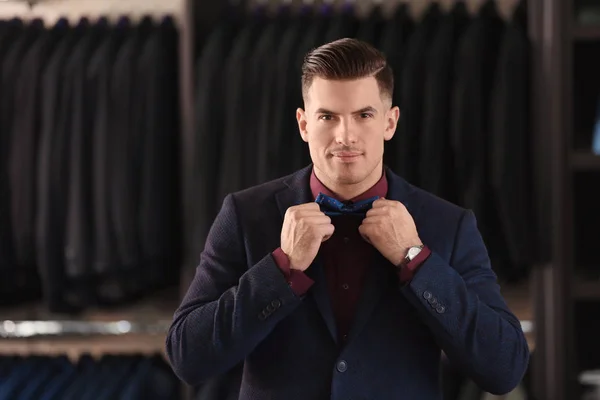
412,253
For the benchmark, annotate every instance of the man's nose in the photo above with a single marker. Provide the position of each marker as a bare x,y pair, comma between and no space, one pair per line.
346,132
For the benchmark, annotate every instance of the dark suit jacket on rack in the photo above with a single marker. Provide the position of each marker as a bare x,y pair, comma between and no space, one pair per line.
413,87
509,147
435,172
240,307
477,59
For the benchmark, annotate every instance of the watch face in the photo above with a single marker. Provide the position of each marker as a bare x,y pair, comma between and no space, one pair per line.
413,251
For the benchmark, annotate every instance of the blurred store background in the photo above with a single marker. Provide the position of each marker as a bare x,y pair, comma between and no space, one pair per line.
124,123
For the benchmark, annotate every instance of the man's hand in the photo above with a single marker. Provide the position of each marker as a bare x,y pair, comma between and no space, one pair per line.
390,228
305,227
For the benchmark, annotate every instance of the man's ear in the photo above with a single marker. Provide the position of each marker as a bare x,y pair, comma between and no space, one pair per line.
302,123
391,122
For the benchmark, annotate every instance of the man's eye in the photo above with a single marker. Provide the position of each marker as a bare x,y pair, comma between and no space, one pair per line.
366,115
326,117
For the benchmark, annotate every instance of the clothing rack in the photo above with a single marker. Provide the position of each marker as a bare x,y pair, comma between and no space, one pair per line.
51,10
29,329
138,329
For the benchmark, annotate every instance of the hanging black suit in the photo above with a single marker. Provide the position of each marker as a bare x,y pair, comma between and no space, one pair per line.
261,71
25,137
470,132
413,84
160,202
80,227
125,154
436,162
211,112
231,174
100,68
371,28
54,171
393,43
344,24
510,149
9,31
19,126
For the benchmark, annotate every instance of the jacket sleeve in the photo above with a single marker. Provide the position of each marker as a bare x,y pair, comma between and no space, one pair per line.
229,307
462,305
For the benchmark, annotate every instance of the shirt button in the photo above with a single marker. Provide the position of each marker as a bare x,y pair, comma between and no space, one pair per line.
345,286
346,239
342,366
345,337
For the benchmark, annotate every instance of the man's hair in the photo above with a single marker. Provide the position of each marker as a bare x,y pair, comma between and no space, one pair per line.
347,59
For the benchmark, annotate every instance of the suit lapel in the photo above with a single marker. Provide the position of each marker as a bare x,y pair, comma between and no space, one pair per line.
298,192
382,273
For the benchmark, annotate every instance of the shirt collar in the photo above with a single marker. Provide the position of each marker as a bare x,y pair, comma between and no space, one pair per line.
379,189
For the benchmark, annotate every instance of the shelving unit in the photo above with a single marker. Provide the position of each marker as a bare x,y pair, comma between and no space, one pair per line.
138,328
584,81
566,94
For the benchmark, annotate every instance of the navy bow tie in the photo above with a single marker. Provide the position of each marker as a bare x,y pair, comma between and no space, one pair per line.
333,207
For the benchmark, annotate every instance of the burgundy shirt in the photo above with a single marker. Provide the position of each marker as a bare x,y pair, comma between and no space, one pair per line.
346,259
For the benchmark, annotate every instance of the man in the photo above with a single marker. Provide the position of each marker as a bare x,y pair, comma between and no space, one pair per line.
342,280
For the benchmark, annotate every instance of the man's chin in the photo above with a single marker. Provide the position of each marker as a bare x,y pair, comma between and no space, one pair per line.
348,177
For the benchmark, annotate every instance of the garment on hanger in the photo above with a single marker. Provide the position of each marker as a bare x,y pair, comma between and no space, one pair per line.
111,377
89,125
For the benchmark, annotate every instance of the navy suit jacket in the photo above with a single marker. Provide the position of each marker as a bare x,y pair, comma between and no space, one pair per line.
240,308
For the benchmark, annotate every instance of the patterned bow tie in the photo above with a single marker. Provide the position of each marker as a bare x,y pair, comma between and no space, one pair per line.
333,207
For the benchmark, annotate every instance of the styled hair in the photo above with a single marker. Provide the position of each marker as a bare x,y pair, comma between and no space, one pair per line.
347,59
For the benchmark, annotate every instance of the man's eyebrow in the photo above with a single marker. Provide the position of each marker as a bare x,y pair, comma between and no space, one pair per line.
362,110
365,109
324,111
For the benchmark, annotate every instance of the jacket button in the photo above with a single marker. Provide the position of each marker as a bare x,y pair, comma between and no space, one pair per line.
342,366
427,295
276,303
440,309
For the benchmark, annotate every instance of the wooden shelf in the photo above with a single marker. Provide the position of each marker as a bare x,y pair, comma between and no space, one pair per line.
586,32
585,161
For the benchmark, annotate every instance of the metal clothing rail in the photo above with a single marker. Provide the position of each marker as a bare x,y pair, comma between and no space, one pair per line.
51,11
65,328
31,329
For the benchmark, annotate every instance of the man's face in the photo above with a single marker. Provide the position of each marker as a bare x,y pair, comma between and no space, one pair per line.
345,124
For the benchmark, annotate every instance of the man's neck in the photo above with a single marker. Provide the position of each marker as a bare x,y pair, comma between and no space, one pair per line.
345,192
